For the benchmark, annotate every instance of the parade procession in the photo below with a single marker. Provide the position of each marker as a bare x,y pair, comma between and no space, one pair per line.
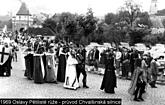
44,61
81,58
54,62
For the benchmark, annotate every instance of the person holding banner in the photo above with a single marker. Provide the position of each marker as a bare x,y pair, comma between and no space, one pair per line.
5,60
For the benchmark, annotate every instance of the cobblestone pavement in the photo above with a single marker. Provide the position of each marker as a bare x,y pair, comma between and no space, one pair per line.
17,86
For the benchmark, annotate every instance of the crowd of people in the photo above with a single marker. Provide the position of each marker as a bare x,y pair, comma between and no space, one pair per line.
61,62
142,68
47,61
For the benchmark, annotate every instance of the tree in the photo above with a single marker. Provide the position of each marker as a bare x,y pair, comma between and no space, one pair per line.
144,20
49,23
114,34
86,26
73,27
135,23
68,25
123,17
64,25
138,35
110,18
98,34
153,39
88,23
141,31
118,26
133,10
122,22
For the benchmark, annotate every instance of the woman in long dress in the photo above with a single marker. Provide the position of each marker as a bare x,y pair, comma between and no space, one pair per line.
71,81
50,65
109,79
39,69
27,61
61,65
39,64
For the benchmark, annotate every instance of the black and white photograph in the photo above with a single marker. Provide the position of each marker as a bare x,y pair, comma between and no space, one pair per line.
82,52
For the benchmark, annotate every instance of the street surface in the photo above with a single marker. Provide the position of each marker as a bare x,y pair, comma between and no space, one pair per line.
18,86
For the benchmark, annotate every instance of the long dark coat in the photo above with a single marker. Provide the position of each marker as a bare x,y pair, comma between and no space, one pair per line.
109,80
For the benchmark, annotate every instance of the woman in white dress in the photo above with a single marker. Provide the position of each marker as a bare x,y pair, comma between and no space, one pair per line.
71,81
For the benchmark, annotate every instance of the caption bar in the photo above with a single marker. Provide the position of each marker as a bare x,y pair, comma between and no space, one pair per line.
60,101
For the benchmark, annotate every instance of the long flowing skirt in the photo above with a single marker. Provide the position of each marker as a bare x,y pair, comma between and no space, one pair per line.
61,68
22,58
50,68
29,66
109,81
71,81
39,70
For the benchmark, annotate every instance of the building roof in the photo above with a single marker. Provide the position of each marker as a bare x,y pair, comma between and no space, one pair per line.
23,10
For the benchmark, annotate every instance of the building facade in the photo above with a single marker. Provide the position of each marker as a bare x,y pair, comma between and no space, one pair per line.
22,20
156,20
153,7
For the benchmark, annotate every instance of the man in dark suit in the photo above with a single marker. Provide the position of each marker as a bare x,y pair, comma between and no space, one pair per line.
125,63
96,58
80,67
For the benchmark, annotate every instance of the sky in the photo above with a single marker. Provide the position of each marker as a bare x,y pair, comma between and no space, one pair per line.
100,7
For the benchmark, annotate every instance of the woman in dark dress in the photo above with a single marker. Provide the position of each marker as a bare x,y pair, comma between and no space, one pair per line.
39,64
29,66
62,65
109,79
